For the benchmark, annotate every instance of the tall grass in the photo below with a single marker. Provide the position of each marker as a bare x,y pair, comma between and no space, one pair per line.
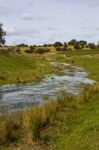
10,129
34,121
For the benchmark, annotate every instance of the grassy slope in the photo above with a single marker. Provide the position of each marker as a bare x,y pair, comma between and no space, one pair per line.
81,130
16,68
90,64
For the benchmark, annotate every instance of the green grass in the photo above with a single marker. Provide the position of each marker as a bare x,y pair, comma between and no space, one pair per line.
89,64
21,68
78,58
59,122
80,53
79,131
70,123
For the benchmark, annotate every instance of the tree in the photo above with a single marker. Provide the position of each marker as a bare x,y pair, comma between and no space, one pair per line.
2,34
65,45
83,43
22,45
91,45
56,44
77,46
72,42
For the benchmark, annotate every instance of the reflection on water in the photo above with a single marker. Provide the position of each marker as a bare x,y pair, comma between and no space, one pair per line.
19,97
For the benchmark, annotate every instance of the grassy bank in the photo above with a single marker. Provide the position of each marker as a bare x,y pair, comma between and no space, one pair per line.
88,60
70,123
23,68
52,122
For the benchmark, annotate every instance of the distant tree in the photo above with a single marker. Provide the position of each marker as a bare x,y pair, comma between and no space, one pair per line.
83,43
22,45
32,49
98,45
91,46
42,50
72,42
45,45
77,46
65,45
56,44
2,34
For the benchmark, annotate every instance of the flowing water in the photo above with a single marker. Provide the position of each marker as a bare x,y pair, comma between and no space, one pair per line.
20,97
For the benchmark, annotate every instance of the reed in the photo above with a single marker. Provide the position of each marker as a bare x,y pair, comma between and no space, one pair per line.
35,120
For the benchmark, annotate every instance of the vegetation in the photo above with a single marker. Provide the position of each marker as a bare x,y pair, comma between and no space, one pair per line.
2,34
68,123
36,121
23,68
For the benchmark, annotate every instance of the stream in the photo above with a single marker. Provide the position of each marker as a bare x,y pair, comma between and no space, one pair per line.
20,97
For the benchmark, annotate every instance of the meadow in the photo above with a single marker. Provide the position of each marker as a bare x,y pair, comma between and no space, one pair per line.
21,69
69,123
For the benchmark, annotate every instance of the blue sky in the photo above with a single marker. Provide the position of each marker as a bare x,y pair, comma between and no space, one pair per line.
47,21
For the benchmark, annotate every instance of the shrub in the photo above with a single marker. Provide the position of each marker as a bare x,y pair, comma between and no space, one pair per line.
59,49
56,44
42,51
91,46
10,129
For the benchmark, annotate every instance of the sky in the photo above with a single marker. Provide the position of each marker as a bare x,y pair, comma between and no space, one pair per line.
48,21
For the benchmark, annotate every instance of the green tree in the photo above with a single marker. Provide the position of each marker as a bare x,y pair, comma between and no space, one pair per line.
72,42
56,44
91,45
65,45
2,35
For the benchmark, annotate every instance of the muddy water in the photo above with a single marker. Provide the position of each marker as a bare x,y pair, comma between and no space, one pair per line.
20,97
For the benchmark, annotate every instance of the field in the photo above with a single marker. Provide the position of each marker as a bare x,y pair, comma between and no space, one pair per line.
70,123
21,69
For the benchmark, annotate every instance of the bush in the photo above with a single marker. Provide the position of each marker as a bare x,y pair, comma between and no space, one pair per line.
42,51
58,49
22,45
10,50
37,50
56,44
91,46
10,130
31,50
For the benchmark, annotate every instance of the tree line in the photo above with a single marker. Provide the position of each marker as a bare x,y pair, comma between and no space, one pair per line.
41,49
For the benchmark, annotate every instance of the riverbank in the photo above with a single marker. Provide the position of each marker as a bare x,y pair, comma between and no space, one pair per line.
23,68
32,68
21,97
46,124
69,123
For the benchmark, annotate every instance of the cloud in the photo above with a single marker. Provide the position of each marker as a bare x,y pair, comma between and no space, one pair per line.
10,30
27,16
90,35
4,10
93,3
26,32
89,28
30,16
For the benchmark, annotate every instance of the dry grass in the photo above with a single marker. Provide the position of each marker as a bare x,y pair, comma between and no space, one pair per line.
14,128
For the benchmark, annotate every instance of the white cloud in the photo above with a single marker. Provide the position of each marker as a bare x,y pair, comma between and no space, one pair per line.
4,10
27,16
10,30
26,33
30,16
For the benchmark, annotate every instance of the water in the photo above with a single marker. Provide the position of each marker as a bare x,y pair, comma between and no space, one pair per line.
20,97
